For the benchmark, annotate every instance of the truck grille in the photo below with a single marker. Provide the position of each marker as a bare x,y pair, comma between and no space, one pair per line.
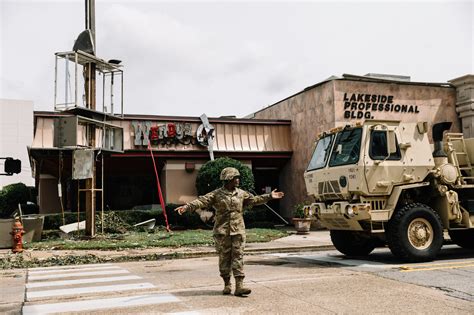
375,204
329,189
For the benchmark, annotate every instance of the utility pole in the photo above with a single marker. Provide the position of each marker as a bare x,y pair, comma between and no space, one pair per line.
90,91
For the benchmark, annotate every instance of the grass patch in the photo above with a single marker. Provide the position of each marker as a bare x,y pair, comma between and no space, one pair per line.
138,240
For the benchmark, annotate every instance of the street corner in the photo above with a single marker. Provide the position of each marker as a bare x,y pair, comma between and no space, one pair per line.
12,286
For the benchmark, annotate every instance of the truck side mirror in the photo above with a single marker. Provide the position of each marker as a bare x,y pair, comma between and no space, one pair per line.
391,142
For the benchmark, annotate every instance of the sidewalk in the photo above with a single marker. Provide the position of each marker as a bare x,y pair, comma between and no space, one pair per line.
314,240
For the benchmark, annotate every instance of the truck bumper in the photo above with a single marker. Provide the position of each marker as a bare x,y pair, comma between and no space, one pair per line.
342,215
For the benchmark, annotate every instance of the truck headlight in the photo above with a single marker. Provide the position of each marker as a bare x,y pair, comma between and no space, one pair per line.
317,210
349,211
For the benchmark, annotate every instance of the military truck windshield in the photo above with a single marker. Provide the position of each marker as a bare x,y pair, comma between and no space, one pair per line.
346,150
321,153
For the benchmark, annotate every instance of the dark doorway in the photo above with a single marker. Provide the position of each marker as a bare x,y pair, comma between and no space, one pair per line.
266,179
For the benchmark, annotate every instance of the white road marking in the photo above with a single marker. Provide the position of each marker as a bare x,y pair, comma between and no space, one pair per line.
69,267
352,262
40,284
78,274
82,290
89,305
342,261
52,271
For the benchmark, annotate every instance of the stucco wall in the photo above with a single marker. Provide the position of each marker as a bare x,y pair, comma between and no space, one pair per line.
310,112
323,107
409,103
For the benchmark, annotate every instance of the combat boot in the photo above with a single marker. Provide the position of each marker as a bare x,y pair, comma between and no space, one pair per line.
240,290
227,286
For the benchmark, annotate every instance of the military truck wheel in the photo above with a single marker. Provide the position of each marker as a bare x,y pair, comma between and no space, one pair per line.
463,238
415,233
352,243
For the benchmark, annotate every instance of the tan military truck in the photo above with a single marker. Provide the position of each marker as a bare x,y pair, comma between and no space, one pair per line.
380,182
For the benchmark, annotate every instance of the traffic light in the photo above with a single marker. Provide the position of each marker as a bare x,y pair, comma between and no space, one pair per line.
11,166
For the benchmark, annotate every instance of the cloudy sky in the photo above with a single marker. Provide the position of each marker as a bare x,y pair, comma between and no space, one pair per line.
233,58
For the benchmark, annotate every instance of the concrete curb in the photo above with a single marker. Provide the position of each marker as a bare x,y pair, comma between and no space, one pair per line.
124,257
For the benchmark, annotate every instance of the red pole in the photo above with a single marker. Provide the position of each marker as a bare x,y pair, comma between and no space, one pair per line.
160,194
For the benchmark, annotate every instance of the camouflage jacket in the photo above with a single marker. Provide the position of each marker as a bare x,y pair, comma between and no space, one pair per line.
229,206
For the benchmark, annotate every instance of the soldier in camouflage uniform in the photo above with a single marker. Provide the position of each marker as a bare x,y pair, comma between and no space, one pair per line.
229,229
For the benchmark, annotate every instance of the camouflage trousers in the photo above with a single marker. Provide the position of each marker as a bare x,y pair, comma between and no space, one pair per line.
230,249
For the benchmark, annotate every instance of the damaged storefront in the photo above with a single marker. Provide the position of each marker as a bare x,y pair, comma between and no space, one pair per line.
179,148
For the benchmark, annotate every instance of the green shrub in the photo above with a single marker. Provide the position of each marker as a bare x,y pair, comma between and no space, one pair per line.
54,220
208,176
11,196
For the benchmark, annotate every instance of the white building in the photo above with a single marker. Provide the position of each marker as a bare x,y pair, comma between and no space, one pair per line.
16,135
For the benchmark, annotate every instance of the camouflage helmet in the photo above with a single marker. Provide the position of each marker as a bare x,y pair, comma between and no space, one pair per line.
229,173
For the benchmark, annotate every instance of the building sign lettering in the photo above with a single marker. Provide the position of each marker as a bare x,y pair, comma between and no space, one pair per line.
169,133
359,105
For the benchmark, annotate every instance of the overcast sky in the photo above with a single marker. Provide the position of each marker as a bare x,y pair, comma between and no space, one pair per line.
233,58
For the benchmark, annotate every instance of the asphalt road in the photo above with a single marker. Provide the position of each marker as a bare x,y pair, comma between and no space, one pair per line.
282,283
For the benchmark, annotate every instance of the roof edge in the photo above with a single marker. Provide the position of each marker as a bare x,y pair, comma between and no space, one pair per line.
353,77
176,118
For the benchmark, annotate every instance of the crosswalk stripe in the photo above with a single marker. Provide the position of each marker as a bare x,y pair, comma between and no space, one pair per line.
52,271
81,290
78,274
69,267
88,305
78,281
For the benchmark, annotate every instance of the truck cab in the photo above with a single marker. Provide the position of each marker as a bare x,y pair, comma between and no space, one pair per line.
362,175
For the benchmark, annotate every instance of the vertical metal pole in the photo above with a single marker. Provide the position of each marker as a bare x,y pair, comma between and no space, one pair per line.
121,92
104,109
90,202
90,85
90,18
55,81
66,77
112,93
90,80
90,68
102,186
75,73
78,202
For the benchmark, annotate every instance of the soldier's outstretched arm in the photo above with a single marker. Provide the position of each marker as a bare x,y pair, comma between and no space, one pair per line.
200,203
251,200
